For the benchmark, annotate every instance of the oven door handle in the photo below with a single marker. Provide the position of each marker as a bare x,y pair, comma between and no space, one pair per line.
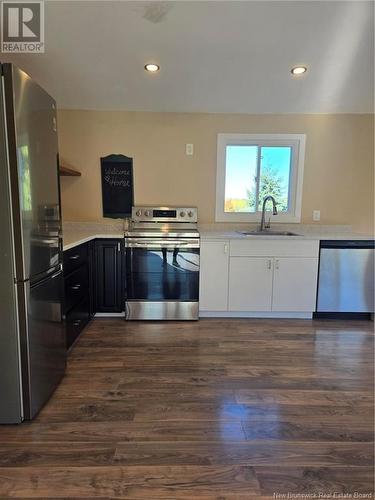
161,244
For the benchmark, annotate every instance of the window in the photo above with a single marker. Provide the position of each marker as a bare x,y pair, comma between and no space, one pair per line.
251,167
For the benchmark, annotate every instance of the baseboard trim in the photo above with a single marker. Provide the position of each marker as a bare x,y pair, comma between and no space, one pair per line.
110,315
230,314
240,314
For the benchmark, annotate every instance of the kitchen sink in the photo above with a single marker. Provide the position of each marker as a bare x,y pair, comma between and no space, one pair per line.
268,233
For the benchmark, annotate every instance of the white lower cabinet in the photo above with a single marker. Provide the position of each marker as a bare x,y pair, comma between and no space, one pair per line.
294,284
259,276
213,281
250,284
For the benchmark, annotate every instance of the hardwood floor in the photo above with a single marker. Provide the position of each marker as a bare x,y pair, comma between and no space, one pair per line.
217,409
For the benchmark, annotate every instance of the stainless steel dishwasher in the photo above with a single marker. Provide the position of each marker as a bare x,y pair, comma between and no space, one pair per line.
346,276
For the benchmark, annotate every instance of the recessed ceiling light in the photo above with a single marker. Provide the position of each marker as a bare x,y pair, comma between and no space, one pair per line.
298,70
152,68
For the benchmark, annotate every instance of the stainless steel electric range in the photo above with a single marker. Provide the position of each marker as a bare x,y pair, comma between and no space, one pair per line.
162,264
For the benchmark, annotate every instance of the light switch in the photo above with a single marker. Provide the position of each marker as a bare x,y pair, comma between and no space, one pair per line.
189,149
316,215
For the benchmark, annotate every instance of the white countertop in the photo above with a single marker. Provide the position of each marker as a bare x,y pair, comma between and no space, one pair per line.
231,235
74,238
77,233
304,231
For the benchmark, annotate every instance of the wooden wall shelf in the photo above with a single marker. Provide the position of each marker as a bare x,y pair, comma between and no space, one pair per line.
67,171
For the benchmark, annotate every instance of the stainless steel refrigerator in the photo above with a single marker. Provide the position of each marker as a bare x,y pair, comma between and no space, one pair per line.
32,336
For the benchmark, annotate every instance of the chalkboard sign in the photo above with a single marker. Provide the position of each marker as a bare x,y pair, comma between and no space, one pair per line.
117,186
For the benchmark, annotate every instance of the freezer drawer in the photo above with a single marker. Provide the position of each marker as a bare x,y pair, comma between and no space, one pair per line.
346,279
44,344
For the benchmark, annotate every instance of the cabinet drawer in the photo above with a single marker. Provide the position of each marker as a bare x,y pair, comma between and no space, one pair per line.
76,287
274,248
76,320
74,258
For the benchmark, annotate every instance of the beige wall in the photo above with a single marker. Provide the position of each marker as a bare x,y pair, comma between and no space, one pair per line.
339,164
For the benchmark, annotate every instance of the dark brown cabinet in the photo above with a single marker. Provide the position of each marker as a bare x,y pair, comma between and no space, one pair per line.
76,286
77,291
75,257
93,282
76,319
108,270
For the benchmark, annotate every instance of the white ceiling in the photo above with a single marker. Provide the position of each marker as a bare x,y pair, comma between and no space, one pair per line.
214,56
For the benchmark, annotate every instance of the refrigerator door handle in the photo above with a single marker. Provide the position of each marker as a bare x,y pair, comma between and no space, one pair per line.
50,242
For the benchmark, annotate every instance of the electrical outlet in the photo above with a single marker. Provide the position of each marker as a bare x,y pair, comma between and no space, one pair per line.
316,215
189,149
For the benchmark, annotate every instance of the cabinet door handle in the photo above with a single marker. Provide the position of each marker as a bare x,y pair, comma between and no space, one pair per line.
269,264
226,248
118,246
74,257
277,263
77,322
76,287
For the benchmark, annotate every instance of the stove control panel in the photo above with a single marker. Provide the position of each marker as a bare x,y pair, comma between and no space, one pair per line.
165,214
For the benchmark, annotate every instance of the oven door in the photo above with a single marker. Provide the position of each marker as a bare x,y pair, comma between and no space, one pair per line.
162,269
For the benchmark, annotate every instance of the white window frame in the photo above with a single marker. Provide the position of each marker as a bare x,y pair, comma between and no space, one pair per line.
296,141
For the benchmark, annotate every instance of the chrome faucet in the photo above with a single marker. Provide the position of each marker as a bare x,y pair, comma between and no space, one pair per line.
263,225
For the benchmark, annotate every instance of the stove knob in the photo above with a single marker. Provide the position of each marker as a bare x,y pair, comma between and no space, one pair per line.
182,214
138,213
147,213
190,213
